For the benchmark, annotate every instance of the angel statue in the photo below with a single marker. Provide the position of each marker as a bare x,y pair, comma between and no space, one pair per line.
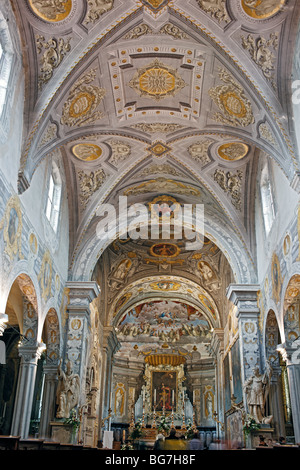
257,389
67,392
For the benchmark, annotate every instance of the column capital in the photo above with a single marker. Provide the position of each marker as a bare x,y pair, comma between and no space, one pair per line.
31,351
244,297
81,294
83,290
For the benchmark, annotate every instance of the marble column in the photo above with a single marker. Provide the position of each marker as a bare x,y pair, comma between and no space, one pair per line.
292,357
49,399
30,354
81,294
109,347
217,349
244,297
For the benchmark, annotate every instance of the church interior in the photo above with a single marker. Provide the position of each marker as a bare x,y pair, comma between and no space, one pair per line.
149,223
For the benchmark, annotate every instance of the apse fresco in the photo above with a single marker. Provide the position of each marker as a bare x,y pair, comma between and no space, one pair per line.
163,320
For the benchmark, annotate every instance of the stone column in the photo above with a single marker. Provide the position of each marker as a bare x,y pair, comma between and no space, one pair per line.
276,402
30,354
49,399
245,298
292,358
217,349
110,346
81,295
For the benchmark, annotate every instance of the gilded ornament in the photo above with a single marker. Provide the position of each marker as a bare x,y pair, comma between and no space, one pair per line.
80,107
157,81
51,10
87,152
155,5
165,286
262,9
166,250
233,151
159,149
232,101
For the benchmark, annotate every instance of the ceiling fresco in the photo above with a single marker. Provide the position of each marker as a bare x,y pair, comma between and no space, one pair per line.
164,321
159,98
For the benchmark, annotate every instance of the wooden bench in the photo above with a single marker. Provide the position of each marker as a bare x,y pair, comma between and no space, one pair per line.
31,444
9,442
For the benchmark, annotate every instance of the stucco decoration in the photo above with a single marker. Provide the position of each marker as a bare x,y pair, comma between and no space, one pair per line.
89,183
233,151
54,50
96,8
216,8
84,98
87,152
262,9
51,10
157,80
236,109
11,224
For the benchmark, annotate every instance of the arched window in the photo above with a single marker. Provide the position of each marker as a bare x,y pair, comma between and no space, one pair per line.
267,199
8,73
54,197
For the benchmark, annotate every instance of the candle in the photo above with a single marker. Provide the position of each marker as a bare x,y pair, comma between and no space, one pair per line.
155,396
193,397
173,397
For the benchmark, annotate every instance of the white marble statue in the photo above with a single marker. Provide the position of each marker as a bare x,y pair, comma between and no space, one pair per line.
67,392
257,388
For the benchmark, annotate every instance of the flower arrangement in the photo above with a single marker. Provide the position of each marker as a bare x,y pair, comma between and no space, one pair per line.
137,430
250,425
189,433
72,420
126,447
163,425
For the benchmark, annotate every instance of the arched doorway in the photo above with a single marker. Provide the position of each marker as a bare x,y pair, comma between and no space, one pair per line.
21,329
166,308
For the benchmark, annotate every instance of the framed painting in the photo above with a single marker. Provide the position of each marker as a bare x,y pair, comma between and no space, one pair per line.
164,387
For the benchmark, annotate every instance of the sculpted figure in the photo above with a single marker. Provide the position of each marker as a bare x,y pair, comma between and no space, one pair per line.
67,392
257,389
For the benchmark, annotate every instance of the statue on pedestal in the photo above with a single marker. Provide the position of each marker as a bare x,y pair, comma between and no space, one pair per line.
257,388
67,392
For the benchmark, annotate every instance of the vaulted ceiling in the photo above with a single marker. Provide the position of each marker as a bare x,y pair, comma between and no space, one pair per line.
140,98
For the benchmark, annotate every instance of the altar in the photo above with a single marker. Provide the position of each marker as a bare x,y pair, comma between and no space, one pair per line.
164,403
